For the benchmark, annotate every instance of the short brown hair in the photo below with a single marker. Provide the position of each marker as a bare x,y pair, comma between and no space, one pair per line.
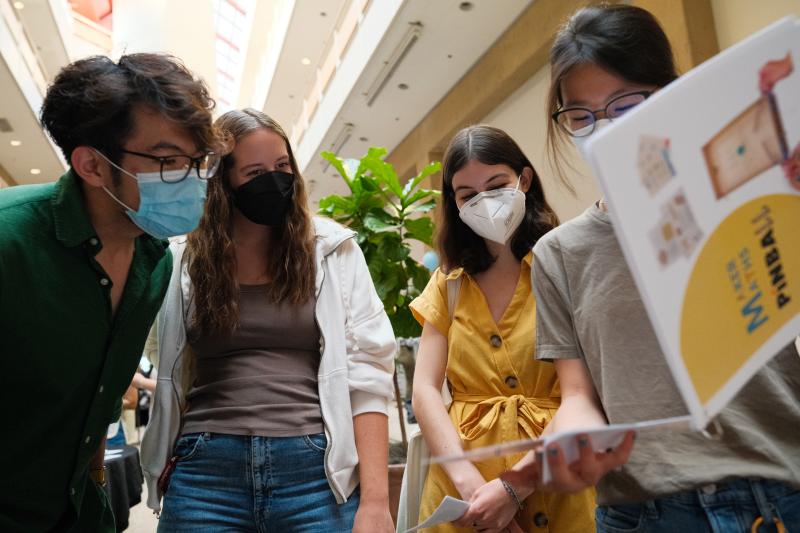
90,101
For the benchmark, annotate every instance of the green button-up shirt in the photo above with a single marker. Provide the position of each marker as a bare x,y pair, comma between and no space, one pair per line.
65,360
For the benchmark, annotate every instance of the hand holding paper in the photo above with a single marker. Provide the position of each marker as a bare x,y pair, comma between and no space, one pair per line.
561,471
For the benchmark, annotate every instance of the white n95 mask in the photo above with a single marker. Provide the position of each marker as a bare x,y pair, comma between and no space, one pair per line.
495,215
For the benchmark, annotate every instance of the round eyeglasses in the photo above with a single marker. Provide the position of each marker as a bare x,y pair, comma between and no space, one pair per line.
204,166
580,121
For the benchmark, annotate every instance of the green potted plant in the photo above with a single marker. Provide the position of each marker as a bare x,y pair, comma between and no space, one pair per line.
387,215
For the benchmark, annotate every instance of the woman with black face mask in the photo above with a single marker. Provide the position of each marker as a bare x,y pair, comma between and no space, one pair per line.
276,360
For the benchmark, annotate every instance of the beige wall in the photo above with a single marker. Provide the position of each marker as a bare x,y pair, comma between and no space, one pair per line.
736,19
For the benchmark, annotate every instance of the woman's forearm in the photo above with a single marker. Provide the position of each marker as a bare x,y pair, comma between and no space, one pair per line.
442,438
372,445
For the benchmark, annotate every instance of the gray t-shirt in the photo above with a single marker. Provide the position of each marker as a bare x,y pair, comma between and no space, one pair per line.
587,307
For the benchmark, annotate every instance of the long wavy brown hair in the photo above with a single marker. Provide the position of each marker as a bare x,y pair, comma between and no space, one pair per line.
210,248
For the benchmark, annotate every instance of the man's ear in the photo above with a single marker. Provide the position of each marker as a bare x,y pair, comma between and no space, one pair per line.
89,165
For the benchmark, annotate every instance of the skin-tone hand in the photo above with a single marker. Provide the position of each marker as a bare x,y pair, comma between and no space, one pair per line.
491,508
774,71
590,467
791,168
373,517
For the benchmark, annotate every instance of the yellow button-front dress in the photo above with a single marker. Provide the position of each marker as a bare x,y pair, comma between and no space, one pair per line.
500,393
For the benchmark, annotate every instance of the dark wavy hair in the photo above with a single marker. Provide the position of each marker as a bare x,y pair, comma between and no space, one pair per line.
210,248
622,39
90,102
459,246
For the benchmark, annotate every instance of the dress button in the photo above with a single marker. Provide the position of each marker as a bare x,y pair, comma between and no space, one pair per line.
104,281
496,340
540,520
511,381
93,241
100,390
87,439
72,491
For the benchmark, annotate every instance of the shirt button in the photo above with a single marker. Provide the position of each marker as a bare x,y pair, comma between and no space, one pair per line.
511,381
496,340
93,241
72,491
103,281
87,439
100,390
540,520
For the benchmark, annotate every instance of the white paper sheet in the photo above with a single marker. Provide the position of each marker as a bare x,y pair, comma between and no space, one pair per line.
602,438
450,509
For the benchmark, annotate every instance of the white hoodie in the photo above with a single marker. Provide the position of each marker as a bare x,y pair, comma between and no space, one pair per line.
357,349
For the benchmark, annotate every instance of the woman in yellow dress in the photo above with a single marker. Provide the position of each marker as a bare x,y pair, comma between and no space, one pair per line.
494,210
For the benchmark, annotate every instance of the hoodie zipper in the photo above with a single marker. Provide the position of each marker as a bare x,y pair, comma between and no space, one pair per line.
338,493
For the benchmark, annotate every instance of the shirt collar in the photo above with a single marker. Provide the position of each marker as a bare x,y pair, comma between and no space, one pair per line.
70,218
528,259
456,272
72,224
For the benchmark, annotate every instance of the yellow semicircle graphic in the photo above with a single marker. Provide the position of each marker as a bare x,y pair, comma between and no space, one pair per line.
743,287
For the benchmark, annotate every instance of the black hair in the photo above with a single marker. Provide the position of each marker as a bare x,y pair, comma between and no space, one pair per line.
622,39
90,101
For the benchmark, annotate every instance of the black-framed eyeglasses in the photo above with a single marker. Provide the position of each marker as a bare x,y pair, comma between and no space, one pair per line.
176,168
580,121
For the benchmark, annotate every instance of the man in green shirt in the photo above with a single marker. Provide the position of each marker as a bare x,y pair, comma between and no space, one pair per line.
83,270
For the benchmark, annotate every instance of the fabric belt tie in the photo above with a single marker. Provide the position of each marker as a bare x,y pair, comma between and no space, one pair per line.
511,412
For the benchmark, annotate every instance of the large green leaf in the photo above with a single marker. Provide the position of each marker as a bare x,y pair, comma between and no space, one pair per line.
421,208
379,224
430,168
420,229
338,164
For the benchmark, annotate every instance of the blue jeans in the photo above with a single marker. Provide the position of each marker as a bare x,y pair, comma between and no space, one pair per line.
262,484
719,508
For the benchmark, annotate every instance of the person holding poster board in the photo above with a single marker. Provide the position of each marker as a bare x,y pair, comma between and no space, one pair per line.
592,322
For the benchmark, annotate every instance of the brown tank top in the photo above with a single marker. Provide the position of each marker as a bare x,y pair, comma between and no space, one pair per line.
262,379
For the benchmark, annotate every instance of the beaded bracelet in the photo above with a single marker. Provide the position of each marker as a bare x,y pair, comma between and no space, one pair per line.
511,492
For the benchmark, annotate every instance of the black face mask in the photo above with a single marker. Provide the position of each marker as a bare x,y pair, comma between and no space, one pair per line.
266,198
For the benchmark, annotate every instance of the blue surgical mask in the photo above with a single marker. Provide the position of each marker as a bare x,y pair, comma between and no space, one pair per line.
165,209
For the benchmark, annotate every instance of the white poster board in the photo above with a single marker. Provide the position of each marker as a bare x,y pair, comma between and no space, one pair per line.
707,220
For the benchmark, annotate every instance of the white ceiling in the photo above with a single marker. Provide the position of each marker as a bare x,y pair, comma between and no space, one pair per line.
22,96
309,36
452,40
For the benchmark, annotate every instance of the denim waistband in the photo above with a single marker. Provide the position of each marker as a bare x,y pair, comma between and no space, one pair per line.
754,491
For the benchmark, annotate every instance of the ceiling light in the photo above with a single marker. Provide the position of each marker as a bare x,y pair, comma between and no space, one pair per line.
19,5
394,60
16,143
306,61
35,171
